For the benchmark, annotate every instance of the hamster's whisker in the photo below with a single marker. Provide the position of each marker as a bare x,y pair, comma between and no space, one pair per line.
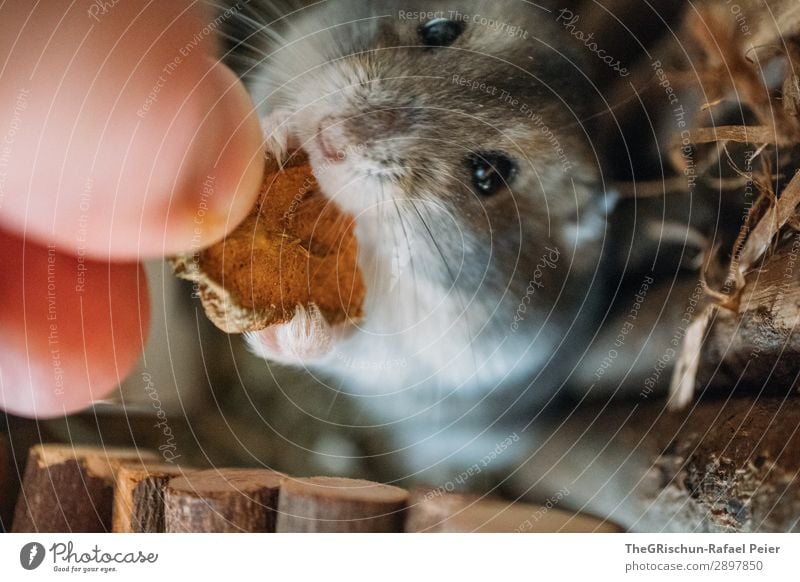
379,218
456,290
257,24
610,110
238,43
408,247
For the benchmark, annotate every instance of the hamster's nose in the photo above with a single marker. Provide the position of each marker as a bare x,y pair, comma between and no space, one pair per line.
331,140
337,138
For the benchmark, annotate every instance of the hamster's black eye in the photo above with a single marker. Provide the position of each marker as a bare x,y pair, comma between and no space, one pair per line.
440,32
491,171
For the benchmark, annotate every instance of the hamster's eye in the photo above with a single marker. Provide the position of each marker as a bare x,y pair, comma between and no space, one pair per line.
491,171
440,32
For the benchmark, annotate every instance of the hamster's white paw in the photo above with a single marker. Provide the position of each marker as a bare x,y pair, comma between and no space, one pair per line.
307,337
277,134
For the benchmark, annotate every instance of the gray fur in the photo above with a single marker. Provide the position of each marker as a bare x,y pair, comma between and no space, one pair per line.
447,270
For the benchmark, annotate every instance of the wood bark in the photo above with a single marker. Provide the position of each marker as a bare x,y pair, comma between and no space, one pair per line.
724,465
8,488
70,489
139,497
760,343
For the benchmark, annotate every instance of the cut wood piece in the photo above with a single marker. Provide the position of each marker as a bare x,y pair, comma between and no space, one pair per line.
727,465
332,504
432,511
759,344
139,496
70,489
222,501
7,484
754,347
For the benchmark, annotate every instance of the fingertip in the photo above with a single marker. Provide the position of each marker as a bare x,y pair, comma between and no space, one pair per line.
73,328
223,171
120,121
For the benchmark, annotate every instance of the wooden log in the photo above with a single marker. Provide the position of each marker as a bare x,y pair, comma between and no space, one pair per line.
331,504
70,489
139,497
432,511
728,462
7,485
759,344
755,348
725,465
222,501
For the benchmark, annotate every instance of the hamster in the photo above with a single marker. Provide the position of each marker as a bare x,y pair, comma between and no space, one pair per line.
454,133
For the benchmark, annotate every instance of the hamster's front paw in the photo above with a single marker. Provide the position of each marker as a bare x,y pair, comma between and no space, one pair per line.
306,338
278,140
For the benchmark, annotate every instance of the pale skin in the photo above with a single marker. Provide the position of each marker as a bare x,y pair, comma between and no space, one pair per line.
121,138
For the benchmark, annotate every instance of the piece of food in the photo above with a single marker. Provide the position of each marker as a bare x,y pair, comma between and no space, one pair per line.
295,248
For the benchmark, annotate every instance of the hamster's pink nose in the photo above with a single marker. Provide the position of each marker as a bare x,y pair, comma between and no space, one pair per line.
331,140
